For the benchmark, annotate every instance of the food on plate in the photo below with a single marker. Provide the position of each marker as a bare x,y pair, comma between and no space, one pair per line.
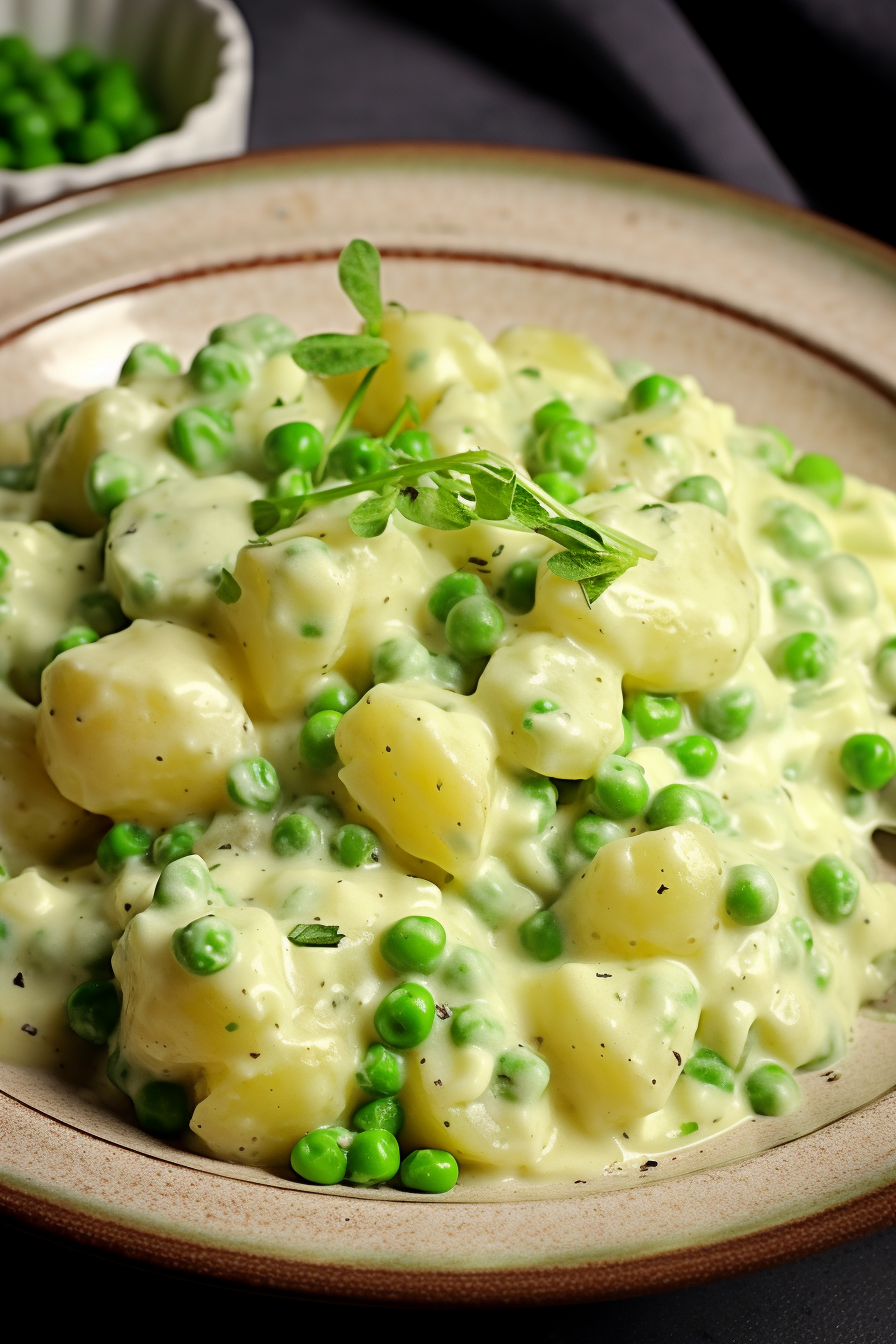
430,755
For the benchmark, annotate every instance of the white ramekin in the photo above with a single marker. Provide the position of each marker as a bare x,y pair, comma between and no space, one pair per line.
195,57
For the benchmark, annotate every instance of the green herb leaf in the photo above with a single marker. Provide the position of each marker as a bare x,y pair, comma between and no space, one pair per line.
228,590
260,541
316,935
331,353
370,518
493,490
272,515
433,508
526,508
578,565
359,276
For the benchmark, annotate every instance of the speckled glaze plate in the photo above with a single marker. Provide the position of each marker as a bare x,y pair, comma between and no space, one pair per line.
791,319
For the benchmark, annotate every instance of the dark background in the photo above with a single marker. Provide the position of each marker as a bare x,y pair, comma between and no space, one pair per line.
793,98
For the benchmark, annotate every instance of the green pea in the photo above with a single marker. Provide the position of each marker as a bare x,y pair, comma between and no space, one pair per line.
401,658
338,697
796,532
466,970
38,154
354,846
317,740
453,588
751,896
847,585
476,1024
821,475
405,1016
774,450
79,63
628,740
109,481
803,932
101,612
145,125
177,843
474,627
7,154
115,97
700,490
74,638
149,360
519,586
124,841
620,789
727,714
868,761
253,783
5,565
382,1113
490,898
655,392
415,943
560,486
381,1071
356,456
695,754
820,969
884,667
95,139
202,437
805,657
184,882
714,814
293,445
16,51
430,1170
771,1090
319,1158
290,484
590,833
566,445
833,888
14,102
542,796
373,1158
205,946
93,1010
550,413
415,444
706,1067
220,367
260,332
520,1076
33,124
295,834
655,715
672,805
162,1109
541,936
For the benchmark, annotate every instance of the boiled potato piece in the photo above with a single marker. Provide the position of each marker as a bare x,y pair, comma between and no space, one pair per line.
657,892
569,741
166,547
573,358
681,622
116,420
47,573
37,825
280,1071
430,351
615,1036
143,725
290,618
419,760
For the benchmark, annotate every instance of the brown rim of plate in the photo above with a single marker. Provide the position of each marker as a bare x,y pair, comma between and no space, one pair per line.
584,1281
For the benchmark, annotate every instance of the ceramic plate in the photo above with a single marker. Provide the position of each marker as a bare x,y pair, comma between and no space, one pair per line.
788,317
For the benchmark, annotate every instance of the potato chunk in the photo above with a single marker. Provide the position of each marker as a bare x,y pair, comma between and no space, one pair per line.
143,725
660,891
430,351
291,616
420,761
570,740
680,622
615,1036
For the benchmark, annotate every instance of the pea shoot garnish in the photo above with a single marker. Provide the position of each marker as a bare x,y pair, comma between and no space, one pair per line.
448,493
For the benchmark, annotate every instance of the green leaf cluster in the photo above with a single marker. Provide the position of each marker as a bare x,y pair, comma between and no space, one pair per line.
316,935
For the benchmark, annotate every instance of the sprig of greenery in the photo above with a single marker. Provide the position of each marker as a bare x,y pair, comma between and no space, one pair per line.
466,488
316,935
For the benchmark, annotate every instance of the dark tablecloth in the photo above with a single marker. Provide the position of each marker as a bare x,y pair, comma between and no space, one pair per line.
793,98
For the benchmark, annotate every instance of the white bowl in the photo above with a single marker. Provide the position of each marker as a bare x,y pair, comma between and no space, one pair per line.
195,57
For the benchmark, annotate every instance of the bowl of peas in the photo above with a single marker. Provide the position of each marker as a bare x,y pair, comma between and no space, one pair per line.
93,92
